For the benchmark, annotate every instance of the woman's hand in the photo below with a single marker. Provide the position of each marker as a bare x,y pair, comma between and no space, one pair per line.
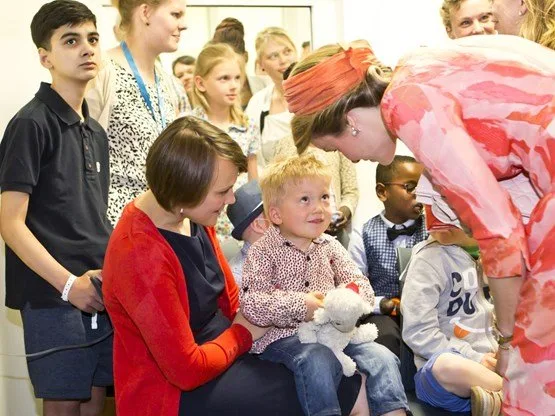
256,331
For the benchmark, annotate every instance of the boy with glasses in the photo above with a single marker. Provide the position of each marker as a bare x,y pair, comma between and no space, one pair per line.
372,246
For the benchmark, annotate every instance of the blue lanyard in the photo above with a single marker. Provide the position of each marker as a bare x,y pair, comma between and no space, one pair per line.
142,86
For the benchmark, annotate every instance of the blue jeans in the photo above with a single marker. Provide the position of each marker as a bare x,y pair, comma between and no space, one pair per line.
316,370
384,388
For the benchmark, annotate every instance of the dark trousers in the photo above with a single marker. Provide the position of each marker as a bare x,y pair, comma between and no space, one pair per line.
389,332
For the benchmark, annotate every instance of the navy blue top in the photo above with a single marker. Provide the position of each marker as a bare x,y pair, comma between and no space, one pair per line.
204,277
62,163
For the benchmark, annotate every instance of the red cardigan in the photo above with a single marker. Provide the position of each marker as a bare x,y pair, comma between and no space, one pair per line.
155,354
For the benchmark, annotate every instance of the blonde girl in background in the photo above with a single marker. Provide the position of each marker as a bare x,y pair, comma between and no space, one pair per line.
232,32
132,97
219,74
275,53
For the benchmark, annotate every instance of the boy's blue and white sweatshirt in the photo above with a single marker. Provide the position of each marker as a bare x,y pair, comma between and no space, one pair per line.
443,304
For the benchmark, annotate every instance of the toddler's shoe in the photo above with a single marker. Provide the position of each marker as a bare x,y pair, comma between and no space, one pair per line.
484,402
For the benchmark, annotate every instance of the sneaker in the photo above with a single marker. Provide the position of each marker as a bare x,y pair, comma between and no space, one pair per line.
484,402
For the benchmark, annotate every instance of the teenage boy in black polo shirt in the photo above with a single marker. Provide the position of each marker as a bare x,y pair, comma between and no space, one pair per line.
54,181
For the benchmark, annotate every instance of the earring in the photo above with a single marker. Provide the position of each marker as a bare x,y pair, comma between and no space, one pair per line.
181,211
354,131
147,23
520,13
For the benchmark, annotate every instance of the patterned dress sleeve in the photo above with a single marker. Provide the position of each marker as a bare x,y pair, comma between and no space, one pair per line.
429,122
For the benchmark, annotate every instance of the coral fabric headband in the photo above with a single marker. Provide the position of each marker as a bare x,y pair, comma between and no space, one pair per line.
325,83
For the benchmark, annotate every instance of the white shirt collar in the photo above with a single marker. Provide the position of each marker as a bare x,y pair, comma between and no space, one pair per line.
390,224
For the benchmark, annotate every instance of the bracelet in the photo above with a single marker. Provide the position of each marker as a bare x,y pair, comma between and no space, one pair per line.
69,283
501,339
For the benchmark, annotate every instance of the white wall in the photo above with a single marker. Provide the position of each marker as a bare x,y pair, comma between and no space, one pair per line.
391,26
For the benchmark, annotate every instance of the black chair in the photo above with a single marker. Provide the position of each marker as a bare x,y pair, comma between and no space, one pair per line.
408,369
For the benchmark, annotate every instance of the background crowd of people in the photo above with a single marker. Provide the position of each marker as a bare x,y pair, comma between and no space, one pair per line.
127,192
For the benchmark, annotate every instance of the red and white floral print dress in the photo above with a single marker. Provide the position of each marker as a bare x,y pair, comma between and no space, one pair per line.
474,116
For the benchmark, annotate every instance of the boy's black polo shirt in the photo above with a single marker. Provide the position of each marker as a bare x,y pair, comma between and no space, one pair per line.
62,163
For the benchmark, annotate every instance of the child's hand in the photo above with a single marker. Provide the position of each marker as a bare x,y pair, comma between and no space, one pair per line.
489,361
313,300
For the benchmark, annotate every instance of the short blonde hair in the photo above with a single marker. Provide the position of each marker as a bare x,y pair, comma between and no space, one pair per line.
211,55
274,33
283,173
539,22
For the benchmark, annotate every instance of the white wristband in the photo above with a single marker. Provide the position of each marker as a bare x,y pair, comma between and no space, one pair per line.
65,293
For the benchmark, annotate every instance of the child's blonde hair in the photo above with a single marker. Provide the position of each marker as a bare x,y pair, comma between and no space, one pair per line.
283,173
211,55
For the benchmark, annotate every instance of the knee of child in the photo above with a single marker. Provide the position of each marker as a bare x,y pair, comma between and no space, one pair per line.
383,354
319,357
447,368
375,357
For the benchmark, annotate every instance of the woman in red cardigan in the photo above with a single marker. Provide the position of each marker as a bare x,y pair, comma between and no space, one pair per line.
180,346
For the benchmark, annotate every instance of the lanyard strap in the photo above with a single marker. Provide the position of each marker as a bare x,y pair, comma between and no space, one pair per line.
142,86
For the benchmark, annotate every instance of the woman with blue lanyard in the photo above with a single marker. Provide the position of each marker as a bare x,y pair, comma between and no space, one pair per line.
132,97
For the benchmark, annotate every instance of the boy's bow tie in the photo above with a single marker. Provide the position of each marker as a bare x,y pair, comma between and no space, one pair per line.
393,233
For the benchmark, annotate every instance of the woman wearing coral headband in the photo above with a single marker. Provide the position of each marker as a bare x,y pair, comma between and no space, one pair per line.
472,115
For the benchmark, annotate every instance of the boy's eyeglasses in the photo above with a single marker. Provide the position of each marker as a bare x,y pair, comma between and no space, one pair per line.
410,187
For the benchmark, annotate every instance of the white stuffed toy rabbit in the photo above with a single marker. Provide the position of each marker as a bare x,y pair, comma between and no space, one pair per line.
335,324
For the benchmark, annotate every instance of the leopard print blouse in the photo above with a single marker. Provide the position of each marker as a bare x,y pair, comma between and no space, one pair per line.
131,131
